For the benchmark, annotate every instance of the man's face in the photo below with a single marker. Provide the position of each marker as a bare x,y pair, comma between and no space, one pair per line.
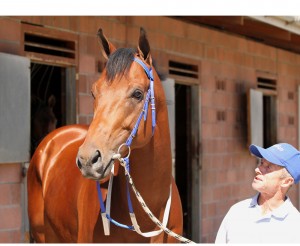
268,178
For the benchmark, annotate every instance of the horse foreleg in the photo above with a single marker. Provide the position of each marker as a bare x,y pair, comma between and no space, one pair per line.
35,206
50,235
88,210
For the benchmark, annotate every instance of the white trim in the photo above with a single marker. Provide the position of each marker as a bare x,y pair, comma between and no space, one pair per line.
288,23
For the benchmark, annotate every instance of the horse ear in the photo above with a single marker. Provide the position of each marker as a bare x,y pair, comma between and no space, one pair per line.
144,47
108,47
51,101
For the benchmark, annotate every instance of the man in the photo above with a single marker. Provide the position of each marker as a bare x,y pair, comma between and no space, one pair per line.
268,217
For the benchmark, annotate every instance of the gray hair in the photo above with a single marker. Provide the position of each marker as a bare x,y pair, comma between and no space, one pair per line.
286,174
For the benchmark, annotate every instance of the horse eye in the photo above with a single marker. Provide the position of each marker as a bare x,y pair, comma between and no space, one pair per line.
138,95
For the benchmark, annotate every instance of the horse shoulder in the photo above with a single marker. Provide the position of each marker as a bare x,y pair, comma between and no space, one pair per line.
54,143
55,154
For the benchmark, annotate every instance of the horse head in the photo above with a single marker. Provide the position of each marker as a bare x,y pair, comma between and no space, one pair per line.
119,98
43,119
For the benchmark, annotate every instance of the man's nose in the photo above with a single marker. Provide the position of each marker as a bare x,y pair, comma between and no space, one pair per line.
257,171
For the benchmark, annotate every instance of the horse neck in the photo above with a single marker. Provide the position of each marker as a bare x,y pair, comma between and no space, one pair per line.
151,166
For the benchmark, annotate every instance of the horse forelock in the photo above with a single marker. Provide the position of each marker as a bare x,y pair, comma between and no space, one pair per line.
119,63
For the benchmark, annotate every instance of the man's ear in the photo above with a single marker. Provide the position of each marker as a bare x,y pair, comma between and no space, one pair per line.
287,182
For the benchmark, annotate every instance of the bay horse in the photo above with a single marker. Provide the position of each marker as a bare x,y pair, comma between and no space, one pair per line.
71,162
43,119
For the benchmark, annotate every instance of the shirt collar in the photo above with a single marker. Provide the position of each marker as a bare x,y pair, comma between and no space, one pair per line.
281,212
253,202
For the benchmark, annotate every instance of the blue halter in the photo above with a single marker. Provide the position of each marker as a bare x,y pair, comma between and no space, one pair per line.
149,97
150,94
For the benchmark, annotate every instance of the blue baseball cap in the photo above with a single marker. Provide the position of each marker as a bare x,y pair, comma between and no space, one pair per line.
282,154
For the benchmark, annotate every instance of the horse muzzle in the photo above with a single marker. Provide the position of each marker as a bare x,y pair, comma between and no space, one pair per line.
94,167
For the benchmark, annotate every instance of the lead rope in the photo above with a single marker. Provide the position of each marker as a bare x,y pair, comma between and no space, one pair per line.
105,212
147,210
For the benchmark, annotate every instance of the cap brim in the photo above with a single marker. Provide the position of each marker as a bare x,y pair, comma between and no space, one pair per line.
264,153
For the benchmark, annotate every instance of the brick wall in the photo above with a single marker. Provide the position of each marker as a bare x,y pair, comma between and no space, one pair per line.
227,167
10,203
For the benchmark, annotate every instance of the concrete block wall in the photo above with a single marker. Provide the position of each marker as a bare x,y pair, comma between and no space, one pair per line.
227,166
229,60
10,203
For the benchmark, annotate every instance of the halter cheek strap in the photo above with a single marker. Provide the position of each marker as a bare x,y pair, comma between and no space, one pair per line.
149,97
149,73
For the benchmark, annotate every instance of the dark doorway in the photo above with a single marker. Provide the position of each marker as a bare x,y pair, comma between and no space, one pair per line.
269,121
183,153
47,80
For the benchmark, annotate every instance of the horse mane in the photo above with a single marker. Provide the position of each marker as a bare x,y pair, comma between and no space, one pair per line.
119,63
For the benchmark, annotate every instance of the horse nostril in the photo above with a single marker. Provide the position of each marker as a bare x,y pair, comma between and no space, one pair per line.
95,157
79,163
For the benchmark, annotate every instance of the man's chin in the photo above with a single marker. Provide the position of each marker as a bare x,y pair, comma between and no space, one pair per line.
255,186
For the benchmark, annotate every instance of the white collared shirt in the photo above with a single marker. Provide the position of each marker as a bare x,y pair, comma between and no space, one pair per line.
244,223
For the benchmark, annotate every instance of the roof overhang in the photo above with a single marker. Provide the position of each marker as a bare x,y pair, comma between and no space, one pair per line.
288,23
278,31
